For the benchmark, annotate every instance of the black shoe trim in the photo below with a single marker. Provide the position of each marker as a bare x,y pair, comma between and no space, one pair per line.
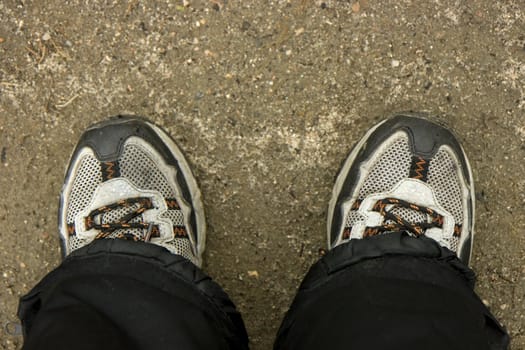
110,170
419,168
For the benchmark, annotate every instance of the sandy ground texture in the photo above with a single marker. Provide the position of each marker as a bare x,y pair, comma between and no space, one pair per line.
266,98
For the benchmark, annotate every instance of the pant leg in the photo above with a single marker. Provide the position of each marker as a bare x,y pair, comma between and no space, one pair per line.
389,292
116,294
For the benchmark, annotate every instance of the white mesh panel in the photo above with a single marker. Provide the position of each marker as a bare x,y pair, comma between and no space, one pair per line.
87,178
136,166
175,216
75,242
454,241
390,167
443,177
180,246
353,217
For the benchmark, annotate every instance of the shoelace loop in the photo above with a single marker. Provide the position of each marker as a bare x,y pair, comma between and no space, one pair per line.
94,220
395,223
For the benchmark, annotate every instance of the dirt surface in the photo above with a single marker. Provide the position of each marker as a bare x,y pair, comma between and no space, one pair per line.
266,98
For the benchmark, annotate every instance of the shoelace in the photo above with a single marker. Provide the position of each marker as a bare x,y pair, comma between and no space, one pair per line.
94,220
396,223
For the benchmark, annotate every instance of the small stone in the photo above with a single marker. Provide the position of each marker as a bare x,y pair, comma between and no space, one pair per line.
395,63
299,31
46,37
1,40
22,265
288,52
3,155
245,26
503,306
254,274
199,95
356,6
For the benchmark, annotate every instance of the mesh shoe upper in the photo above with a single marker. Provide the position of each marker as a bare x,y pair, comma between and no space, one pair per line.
127,179
407,174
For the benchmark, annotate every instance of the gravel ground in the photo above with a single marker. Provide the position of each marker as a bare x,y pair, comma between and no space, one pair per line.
266,98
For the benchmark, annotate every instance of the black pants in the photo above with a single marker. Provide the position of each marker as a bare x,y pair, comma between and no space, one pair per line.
385,292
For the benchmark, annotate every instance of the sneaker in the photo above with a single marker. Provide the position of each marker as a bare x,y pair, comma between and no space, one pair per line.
406,174
127,179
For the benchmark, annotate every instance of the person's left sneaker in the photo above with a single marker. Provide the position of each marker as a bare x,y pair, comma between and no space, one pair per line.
127,179
407,174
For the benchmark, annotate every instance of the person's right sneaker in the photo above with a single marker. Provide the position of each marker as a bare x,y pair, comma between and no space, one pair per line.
406,174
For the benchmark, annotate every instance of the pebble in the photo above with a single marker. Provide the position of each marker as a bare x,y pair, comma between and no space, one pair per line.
46,37
395,63
254,274
245,26
3,155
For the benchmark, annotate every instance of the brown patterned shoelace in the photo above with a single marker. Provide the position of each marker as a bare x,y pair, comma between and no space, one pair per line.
395,223
94,220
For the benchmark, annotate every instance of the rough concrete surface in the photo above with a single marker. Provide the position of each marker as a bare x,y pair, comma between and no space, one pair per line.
266,98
